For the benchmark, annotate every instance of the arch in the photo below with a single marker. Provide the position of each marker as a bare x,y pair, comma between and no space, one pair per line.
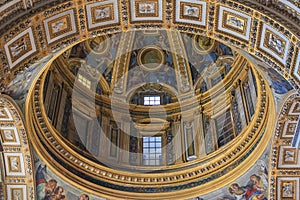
15,152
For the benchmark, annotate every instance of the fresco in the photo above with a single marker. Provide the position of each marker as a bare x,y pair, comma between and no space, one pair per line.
162,68
51,187
98,55
253,185
205,51
277,83
18,88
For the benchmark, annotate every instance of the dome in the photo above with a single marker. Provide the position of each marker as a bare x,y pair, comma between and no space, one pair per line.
150,99
141,105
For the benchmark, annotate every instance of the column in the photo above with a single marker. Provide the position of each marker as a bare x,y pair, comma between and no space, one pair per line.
124,141
199,137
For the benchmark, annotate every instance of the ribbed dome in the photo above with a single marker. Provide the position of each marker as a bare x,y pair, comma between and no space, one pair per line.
150,102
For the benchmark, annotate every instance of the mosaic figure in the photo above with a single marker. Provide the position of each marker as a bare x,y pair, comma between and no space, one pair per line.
84,197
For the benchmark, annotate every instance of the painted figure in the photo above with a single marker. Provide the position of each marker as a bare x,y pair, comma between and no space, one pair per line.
255,189
58,194
237,191
44,188
78,51
168,75
136,77
84,197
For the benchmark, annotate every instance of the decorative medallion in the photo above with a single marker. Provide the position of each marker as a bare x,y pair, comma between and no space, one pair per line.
9,136
16,192
20,47
295,108
203,45
146,10
234,23
288,157
98,45
102,14
151,58
274,43
289,128
14,164
60,26
192,12
287,188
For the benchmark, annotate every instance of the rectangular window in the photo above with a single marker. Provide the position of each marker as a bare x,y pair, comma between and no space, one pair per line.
53,103
114,138
151,100
224,128
249,101
46,83
84,81
252,80
81,129
152,150
189,141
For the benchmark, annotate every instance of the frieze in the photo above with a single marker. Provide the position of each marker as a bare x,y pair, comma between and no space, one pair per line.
150,11
211,18
102,14
186,11
234,23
